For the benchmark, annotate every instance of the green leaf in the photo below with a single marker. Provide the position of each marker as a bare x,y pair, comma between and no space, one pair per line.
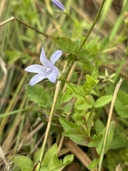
102,101
55,163
23,168
89,84
104,43
37,155
23,163
75,132
66,97
110,135
119,141
93,164
68,159
98,126
38,94
51,161
13,56
83,104
67,125
121,104
77,90
96,139
77,135
65,43
95,75
109,138
44,169
49,155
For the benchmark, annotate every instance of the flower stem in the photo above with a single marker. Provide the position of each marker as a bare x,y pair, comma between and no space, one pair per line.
49,124
89,32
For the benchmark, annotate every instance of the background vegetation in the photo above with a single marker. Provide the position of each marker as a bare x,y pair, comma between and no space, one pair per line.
90,119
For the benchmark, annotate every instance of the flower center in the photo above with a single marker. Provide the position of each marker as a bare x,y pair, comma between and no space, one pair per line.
49,70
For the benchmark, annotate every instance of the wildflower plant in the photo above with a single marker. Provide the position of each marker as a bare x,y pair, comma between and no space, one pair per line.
77,109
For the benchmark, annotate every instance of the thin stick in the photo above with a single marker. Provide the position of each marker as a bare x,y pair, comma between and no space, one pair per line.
58,85
49,123
25,24
108,122
7,21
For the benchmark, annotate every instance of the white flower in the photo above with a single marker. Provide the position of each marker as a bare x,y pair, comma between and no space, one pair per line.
48,70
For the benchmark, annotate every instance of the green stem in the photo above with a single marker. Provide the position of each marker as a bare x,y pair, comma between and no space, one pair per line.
89,32
95,20
25,24
49,124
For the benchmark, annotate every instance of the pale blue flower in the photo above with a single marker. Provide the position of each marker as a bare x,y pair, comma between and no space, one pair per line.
59,5
48,70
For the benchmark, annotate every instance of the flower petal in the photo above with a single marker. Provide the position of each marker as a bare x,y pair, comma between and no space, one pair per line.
36,69
37,78
55,56
52,77
59,5
44,60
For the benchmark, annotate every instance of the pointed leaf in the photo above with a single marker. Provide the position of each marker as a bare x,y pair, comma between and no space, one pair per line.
119,141
102,101
66,97
49,155
67,125
77,135
65,43
89,84
121,104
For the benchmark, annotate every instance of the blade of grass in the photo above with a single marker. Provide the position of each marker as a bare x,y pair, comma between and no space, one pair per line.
3,115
